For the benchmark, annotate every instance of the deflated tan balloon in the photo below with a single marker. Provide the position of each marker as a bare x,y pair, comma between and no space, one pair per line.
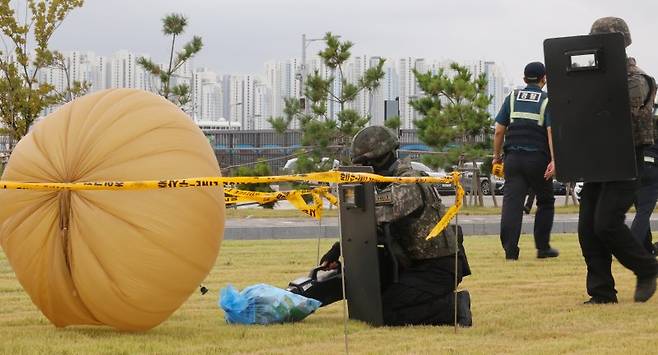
127,259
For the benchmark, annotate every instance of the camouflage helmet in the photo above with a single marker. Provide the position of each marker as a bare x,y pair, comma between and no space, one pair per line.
373,142
612,24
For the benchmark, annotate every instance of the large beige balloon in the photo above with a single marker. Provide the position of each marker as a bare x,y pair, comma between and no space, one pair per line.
127,259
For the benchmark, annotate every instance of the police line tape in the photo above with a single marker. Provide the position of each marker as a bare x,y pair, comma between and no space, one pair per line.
295,196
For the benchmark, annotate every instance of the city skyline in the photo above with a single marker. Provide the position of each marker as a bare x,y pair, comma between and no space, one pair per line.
240,36
237,101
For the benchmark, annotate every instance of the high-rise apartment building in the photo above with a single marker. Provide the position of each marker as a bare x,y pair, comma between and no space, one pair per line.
247,101
283,79
377,97
207,96
495,83
262,106
408,90
236,99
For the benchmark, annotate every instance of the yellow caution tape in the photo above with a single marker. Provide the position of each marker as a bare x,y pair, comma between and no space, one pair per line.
234,195
295,197
328,176
331,198
452,211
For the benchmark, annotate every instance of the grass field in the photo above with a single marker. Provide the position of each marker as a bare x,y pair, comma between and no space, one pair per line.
527,307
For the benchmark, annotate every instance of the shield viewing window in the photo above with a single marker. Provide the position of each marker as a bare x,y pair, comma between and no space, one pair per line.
583,60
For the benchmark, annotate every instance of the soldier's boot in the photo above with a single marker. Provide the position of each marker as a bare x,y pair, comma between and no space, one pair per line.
464,316
645,288
596,300
547,253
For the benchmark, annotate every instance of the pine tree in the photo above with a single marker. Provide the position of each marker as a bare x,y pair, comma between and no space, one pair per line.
328,137
180,94
454,111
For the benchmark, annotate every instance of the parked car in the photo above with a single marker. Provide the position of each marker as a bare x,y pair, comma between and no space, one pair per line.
559,188
485,183
443,188
578,189
324,165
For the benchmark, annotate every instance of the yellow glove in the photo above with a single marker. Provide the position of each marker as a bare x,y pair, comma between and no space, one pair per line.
498,170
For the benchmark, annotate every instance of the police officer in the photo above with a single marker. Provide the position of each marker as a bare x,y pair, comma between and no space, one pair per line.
523,124
422,292
603,205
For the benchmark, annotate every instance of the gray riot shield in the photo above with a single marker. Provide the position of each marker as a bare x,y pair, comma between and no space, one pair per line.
589,108
358,229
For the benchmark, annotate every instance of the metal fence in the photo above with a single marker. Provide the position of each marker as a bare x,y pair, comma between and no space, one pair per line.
246,147
232,159
221,139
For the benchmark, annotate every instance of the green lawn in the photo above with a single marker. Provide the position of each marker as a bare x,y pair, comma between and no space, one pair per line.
527,307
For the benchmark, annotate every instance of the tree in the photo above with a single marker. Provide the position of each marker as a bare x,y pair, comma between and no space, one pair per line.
173,25
291,110
393,123
260,169
454,110
319,130
22,96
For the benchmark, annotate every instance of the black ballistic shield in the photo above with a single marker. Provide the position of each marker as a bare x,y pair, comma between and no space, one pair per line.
589,108
358,226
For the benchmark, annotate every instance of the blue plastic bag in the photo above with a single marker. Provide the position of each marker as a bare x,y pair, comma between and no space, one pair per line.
264,304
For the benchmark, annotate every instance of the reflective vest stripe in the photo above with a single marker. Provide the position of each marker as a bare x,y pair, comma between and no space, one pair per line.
527,115
542,111
539,117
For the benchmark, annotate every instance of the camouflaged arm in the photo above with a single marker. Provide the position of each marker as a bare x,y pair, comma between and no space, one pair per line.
638,91
405,200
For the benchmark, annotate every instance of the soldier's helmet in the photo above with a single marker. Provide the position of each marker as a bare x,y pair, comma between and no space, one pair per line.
612,24
372,143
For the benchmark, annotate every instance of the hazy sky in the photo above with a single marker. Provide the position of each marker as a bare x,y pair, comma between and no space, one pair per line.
240,36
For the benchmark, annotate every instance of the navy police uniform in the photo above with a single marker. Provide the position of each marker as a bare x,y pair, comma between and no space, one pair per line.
525,115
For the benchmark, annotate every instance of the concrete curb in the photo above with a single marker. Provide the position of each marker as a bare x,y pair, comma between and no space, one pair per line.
302,229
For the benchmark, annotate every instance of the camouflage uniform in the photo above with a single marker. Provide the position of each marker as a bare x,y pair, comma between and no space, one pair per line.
413,210
642,93
424,290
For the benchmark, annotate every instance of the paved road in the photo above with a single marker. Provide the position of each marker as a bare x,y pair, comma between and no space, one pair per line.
295,228
449,200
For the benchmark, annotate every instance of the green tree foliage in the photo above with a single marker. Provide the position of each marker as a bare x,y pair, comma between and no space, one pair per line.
319,130
291,110
26,37
487,165
454,110
260,169
173,25
393,123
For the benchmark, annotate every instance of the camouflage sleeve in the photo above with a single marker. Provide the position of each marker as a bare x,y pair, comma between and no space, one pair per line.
638,91
405,200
